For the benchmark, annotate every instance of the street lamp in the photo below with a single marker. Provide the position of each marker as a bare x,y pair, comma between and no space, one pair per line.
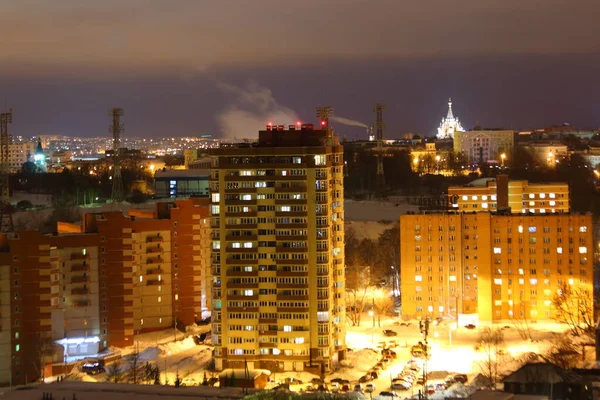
502,158
437,162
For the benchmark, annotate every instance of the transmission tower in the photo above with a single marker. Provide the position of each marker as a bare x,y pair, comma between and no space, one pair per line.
118,193
6,221
324,113
379,125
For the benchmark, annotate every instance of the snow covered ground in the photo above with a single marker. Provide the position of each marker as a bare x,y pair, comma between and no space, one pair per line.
452,352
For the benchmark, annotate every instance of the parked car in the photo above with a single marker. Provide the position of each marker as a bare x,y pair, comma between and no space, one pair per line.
366,378
440,387
449,380
199,339
334,387
470,326
388,394
345,387
204,321
92,368
462,378
400,384
370,388
389,332
359,387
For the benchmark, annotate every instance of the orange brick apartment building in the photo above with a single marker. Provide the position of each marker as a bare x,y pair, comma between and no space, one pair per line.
100,283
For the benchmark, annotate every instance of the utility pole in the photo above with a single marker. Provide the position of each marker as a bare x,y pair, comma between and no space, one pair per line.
6,221
118,193
379,125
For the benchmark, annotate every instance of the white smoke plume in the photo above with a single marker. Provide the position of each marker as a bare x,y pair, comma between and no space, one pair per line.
349,122
252,108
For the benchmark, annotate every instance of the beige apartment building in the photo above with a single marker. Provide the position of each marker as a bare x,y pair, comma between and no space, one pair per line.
485,146
482,267
522,196
278,251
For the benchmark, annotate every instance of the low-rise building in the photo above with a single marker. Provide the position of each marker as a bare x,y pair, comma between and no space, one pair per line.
489,194
485,146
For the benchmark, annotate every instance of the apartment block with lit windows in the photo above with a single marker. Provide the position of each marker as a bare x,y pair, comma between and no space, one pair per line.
278,251
523,197
486,267
99,283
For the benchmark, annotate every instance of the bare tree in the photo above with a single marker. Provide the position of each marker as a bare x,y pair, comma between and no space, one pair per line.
491,344
135,369
43,353
563,352
573,306
521,322
114,372
357,286
382,303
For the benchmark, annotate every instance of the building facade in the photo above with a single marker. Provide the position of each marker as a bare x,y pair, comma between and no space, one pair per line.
484,267
100,283
19,154
278,251
520,196
485,146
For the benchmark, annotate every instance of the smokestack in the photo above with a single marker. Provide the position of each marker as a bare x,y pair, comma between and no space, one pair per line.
502,192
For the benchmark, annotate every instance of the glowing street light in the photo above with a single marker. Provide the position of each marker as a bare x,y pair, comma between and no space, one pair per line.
502,158
437,162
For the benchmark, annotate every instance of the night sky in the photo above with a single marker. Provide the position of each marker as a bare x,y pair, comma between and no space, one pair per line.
226,67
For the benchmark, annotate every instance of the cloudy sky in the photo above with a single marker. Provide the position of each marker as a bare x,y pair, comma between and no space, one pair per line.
191,67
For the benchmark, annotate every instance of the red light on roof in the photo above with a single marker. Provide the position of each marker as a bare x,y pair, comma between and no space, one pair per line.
270,123
298,123
323,123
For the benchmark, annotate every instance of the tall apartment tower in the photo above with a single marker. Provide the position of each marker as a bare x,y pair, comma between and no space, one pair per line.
278,251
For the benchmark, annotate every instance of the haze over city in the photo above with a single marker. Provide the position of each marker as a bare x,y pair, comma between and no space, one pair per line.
213,68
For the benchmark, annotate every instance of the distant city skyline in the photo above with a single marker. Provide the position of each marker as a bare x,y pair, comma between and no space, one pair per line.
188,70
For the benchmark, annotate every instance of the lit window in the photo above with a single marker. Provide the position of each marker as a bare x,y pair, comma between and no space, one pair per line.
465,198
247,245
176,297
430,308
532,229
498,302
547,303
248,292
236,245
582,250
484,198
559,250
160,320
142,321
532,203
418,278
521,272
493,197
141,278
484,205
216,197
583,229
571,281
246,197
531,195
159,299
497,250
299,340
532,210
473,197
542,195
552,203
441,309
216,245
521,281
17,347
520,228
498,281
542,210
287,328
452,278
510,303
552,195
533,281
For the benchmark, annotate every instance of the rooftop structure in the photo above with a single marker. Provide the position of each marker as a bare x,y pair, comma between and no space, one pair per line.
449,125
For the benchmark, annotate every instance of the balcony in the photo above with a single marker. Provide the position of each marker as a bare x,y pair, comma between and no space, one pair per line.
154,239
79,267
82,303
289,297
268,333
242,273
79,291
154,260
154,282
153,249
154,271
79,256
79,279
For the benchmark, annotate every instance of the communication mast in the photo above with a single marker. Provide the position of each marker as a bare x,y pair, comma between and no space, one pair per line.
6,221
118,193
379,125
